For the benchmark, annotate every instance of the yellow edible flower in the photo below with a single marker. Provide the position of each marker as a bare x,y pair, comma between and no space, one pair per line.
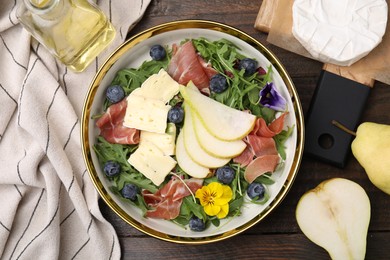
215,199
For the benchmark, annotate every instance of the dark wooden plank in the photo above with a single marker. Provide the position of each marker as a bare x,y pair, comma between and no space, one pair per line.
271,246
240,247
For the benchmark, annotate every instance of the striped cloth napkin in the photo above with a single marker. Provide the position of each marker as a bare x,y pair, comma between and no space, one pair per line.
48,205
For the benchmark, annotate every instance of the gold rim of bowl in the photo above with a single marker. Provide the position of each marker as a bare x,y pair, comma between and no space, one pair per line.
171,26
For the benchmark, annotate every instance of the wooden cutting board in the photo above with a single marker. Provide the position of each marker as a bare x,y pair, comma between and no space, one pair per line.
340,95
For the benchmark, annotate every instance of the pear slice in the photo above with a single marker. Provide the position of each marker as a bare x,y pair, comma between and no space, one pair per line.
192,146
186,163
335,215
215,146
211,144
221,121
371,148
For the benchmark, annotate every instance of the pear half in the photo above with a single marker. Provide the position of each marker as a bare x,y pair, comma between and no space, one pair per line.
335,215
371,148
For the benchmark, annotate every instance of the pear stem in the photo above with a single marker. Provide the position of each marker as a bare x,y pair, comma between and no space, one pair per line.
343,127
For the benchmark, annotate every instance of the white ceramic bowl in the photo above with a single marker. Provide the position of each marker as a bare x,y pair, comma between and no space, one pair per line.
131,54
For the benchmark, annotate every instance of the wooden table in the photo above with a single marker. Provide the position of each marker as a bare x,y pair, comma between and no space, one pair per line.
278,236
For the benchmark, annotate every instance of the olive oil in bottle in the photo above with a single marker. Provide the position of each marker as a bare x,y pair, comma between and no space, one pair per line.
74,31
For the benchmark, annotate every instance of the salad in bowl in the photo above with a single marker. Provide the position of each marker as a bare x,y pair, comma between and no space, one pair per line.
192,134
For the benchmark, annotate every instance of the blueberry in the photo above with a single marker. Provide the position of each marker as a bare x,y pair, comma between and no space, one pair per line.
112,168
197,224
249,65
176,115
218,83
130,191
157,52
115,93
225,174
256,190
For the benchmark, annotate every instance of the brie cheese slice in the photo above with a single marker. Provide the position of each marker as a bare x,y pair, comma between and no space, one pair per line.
147,106
341,31
159,86
149,160
165,141
146,114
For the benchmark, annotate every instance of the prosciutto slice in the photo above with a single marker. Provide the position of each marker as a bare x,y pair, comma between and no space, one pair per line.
275,127
245,158
256,146
166,202
259,166
187,65
262,145
260,141
111,125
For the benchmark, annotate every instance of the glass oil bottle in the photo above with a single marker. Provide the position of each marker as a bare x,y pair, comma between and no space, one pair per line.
74,31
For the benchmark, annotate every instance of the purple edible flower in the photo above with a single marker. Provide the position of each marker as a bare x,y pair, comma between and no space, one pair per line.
269,97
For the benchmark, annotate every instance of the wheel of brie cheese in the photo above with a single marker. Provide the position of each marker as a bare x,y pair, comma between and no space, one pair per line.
339,31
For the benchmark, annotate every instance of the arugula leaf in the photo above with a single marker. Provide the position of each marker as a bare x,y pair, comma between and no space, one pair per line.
236,183
243,91
265,179
136,179
188,209
267,114
215,221
139,202
263,200
280,140
114,152
130,78
120,153
181,221
235,206
209,180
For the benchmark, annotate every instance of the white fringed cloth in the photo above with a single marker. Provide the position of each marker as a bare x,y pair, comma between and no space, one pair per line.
48,204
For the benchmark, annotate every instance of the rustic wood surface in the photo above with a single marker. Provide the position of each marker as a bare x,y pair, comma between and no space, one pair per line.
278,236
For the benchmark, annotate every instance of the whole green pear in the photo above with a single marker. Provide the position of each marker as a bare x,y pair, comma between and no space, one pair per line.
371,148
